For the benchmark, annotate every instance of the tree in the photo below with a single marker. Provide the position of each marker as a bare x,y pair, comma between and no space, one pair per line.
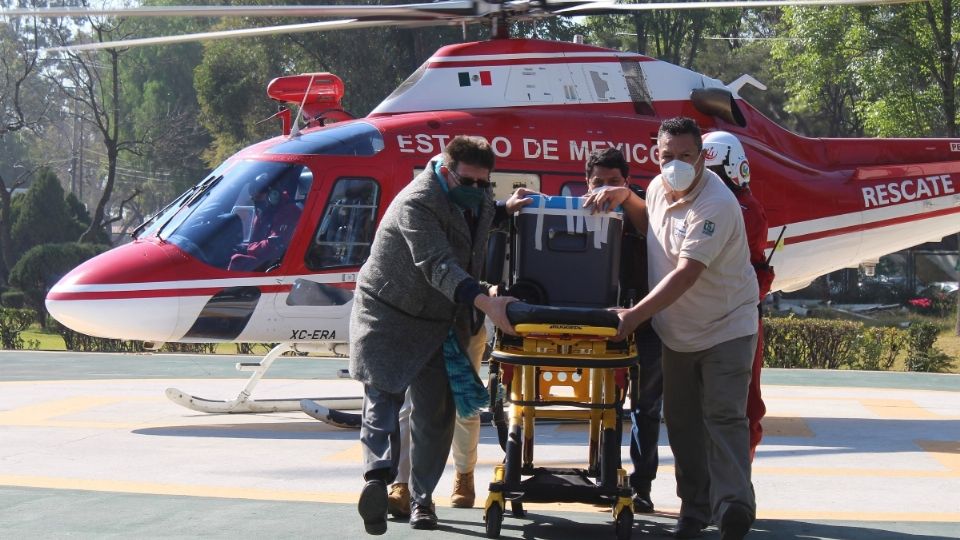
92,82
43,215
372,63
23,109
899,63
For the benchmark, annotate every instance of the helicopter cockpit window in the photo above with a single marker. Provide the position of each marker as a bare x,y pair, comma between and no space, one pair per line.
347,139
242,220
345,233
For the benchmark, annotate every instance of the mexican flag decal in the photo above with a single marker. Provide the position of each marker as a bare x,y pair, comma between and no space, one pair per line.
475,78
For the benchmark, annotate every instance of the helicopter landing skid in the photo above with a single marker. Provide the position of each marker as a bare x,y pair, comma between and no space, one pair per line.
321,411
243,403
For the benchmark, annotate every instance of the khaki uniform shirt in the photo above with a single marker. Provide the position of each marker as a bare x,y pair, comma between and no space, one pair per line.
706,226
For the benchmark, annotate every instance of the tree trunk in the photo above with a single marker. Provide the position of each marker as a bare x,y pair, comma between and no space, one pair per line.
640,28
111,141
6,241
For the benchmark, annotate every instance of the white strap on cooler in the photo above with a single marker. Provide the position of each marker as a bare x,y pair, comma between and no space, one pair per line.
579,220
538,238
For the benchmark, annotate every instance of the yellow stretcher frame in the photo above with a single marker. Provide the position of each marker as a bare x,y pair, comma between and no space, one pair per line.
550,357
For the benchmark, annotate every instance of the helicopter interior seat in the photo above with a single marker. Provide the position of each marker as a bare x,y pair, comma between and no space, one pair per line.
246,214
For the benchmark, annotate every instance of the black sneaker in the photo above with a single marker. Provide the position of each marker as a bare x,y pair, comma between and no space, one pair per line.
422,516
689,528
642,503
735,523
373,506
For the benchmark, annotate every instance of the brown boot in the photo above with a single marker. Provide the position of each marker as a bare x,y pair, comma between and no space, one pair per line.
398,500
463,493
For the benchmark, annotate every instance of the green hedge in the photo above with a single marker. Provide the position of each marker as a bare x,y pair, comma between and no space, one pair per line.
12,322
13,299
835,344
75,341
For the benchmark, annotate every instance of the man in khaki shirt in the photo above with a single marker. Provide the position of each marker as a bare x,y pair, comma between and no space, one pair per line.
703,305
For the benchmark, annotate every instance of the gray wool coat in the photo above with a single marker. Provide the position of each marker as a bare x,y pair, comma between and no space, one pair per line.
404,300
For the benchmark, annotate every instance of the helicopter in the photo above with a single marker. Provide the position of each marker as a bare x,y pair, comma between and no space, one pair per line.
190,275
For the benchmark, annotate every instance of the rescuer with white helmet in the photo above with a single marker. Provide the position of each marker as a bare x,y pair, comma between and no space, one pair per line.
724,155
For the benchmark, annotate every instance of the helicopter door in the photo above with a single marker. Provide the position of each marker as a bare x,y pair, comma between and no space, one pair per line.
339,245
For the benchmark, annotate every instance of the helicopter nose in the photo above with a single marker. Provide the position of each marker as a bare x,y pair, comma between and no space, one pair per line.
113,295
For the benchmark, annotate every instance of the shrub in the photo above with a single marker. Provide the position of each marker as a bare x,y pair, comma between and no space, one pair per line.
879,347
922,355
193,348
810,343
830,344
782,346
12,322
75,341
13,299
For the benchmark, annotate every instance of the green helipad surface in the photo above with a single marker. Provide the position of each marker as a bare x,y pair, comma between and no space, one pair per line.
91,448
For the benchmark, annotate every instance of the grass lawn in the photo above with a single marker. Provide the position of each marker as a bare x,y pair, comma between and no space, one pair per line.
35,338
949,342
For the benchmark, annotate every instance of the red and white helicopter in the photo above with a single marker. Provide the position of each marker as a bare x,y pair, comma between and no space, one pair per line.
544,106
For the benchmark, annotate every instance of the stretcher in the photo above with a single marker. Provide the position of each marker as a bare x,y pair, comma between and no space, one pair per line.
562,364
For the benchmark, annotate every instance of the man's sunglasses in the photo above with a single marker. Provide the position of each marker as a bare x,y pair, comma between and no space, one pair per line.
469,181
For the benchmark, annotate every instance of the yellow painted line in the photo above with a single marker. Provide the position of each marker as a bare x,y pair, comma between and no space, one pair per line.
853,472
40,412
930,517
778,471
946,452
786,426
350,498
899,409
186,490
353,454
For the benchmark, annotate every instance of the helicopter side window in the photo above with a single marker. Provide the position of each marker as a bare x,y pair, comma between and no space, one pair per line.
345,233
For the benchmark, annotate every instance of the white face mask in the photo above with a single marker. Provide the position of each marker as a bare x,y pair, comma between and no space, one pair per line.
679,175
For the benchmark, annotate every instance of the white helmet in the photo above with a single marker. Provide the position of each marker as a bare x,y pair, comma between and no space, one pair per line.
723,149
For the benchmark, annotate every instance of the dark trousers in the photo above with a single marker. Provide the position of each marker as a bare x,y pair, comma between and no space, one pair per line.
431,430
645,412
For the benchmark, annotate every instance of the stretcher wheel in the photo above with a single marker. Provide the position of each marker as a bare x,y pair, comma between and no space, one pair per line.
609,458
516,509
624,524
493,519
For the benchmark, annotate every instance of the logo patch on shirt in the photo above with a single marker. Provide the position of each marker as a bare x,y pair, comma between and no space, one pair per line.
680,227
709,227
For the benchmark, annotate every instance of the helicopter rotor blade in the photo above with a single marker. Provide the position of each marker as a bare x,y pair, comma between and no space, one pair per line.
608,7
442,9
345,24
407,15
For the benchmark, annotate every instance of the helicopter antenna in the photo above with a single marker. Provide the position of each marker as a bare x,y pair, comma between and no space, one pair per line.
295,129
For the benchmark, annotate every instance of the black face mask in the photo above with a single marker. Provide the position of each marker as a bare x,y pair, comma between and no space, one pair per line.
468,198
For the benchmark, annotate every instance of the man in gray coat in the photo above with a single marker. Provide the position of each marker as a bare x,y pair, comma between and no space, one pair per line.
421,280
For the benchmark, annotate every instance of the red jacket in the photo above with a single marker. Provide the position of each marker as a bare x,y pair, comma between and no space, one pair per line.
755,220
